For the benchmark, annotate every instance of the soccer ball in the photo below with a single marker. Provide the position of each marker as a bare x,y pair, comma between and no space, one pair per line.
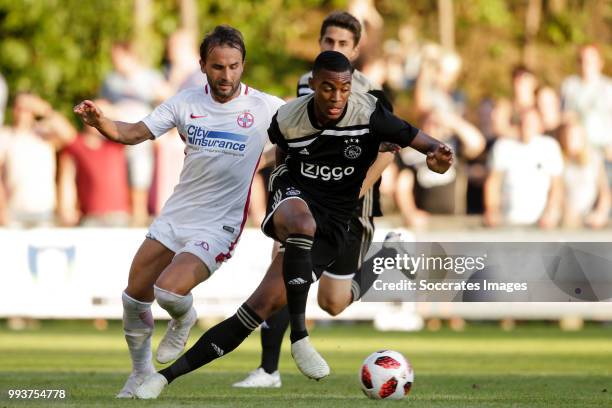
386,374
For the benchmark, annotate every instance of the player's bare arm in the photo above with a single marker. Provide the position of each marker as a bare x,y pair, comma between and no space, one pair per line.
439,156
120,132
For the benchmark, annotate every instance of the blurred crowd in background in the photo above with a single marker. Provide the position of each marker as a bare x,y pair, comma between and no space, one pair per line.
542,157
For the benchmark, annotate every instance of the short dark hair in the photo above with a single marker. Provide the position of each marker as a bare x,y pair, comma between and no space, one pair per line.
331,61
222,35
521,70
344,20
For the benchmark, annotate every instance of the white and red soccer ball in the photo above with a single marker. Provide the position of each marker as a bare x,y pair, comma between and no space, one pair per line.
386,374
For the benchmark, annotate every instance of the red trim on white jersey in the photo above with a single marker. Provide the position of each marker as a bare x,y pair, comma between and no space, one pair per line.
227,255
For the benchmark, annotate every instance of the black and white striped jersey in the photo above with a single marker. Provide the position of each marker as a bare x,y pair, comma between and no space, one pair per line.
330,163
360,83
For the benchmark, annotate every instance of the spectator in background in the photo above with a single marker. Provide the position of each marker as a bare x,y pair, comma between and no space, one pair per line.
3,98
140,159
134,89
435,88
587,194
169,158
183,70
524,85
403,58
28,164
372,25
420,191
93,180
549,107
524,186
494,123
131,80
589,94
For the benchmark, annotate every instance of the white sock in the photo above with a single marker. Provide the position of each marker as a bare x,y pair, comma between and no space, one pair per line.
138,329
177,306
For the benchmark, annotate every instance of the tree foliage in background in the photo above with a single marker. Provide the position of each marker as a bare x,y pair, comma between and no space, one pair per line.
60,49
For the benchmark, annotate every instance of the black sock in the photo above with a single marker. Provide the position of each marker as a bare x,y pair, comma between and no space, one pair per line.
216,342
297,272
365,276
272,333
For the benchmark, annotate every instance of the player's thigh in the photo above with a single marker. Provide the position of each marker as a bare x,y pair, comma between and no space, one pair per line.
185,272
150,260
270,295
334,294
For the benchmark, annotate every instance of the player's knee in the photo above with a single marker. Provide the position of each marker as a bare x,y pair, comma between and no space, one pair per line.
172,302
170,284
301,224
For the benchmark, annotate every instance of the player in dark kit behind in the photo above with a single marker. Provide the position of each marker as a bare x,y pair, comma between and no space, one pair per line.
330,139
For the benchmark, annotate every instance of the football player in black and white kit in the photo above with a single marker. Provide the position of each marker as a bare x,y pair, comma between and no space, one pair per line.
340,31
328,140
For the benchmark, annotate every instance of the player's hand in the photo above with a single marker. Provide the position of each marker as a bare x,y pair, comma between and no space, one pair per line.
90,114
440,159
389,147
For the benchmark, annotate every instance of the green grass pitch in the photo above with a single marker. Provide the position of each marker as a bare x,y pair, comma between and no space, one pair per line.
482,366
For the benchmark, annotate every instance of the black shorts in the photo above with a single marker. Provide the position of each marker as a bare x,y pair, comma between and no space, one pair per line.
338,248
359,239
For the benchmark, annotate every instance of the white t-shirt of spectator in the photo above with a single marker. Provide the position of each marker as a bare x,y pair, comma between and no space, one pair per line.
29,165
224,142
593,102
527,170
581,183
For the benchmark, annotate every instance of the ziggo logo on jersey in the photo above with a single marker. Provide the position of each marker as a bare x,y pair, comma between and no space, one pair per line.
325,173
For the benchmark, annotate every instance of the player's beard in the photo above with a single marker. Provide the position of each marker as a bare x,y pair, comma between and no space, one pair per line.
224,95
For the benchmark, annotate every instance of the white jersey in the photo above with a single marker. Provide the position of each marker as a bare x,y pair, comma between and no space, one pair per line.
224,142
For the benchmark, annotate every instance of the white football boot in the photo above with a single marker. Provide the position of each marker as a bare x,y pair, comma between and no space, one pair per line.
260,379
308,360
133,381
175,339
152,386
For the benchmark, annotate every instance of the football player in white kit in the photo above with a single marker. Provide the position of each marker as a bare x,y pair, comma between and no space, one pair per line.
224,126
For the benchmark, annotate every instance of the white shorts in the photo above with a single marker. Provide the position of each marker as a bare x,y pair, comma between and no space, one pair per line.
211,245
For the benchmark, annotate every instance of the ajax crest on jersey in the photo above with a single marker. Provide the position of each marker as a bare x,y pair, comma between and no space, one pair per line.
386,374
352,152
